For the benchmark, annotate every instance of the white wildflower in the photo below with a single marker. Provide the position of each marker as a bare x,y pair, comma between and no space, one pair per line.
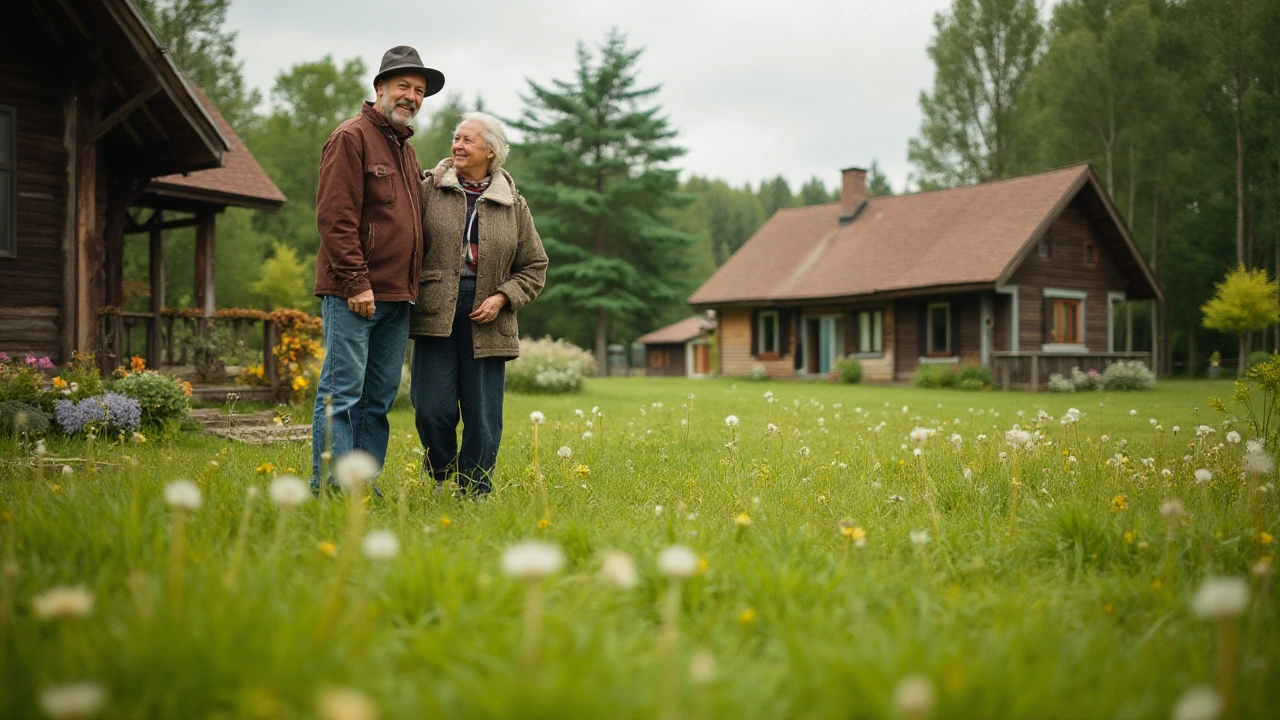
731,420
920,537
565,452
63,602
620,569
678,562
182,494
1221,598
73,701
381,545
1199,703
1172,508
920,434
702,667
537,417
914,697
1233,437
354,469
288,491
1203,476
532,560
1258,463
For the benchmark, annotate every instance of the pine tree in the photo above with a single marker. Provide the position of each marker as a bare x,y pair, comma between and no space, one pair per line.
877,181
595,169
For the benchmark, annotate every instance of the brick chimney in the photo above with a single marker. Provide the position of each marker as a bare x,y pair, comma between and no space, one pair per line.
853,192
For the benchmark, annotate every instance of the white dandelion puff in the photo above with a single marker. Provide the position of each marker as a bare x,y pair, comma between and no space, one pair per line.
288,491
62,603
381,545
1220,598
182,494
677,561
532,560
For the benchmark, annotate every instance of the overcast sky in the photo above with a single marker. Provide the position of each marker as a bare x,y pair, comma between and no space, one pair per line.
754,87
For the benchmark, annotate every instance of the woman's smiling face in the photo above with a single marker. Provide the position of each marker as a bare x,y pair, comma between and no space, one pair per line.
470,155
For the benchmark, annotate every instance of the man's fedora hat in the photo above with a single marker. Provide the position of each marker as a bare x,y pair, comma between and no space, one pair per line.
404,60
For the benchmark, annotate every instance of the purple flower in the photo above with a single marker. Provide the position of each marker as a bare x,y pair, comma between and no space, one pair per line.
4,357
108,409
44,363
31,361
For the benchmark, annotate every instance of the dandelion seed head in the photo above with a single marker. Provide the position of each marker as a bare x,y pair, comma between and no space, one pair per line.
619,569
63,603
1220,598
532,560
1172,508
288,491
1198,703
346,704
565,452
920,538
355,469
182,494
914,697
73,701
381,545
537,417
731,420
677,562
1203,476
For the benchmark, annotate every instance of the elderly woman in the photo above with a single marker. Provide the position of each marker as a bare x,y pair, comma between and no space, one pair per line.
483,261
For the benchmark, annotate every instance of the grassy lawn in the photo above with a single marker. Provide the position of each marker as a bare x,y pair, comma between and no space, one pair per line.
1040,583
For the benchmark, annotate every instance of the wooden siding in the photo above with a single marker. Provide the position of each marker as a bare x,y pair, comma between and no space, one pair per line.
1066,269
664,360
733,327
966,321
32,284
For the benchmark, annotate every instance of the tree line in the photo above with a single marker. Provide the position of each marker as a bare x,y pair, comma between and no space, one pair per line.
1175,102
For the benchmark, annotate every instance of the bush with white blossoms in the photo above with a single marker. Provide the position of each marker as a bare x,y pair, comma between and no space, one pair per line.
1133,375
549,366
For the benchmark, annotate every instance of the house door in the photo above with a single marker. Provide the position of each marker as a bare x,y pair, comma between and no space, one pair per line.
824,340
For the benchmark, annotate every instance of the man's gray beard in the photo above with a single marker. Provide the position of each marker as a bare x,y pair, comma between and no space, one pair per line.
388,113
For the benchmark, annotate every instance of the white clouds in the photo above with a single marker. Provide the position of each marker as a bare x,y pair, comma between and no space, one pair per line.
755,87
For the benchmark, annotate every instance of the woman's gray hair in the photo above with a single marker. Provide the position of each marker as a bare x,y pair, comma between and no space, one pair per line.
493,134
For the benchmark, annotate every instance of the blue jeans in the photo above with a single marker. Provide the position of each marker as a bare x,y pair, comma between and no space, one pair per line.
361,373
450,383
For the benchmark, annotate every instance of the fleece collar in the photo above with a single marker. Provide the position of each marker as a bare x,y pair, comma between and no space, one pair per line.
500,188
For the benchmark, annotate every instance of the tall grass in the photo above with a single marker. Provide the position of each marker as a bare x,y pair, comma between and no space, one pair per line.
1082,610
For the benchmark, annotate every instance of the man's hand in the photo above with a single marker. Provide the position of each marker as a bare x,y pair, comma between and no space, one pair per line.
362,304
488,309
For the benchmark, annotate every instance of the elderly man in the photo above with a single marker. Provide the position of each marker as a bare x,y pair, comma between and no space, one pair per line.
368,211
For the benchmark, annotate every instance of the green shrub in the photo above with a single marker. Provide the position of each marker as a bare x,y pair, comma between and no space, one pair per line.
931,375
972,376
161,397
848,370
20,381
1091,380
1128,376
1257,357
1059,384
549,366
80,379
758,372
24,418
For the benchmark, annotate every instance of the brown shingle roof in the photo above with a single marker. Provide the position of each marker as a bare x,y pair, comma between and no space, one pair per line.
958,237
678,332
240,181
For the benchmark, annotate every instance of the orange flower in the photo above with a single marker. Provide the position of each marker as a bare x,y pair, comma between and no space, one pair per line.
186,388
137,364
59,383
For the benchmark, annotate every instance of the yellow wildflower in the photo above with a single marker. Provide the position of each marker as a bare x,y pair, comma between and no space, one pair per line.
445,521
1263,538
265,468
1119,502
747,616
853,532
1130,536
703,565
582,470
56,489
328,549
742,520
299,384
544,524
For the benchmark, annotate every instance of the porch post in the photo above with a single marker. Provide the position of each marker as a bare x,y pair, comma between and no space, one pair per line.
205,236
1155,345
155,331
1035,372
986,325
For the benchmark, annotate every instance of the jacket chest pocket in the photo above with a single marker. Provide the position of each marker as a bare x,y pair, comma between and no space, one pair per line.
380,184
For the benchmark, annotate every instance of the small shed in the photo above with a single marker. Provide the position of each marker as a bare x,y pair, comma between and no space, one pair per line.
682,349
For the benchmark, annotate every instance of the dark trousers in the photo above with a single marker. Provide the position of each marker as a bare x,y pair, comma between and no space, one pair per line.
449,383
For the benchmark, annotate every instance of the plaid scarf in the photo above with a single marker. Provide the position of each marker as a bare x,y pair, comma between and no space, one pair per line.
471,231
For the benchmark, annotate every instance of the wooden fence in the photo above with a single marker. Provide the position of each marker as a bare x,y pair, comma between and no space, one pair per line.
1031,370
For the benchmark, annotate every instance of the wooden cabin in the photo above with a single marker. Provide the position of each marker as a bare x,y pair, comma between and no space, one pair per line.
1020,275
681,349
98,125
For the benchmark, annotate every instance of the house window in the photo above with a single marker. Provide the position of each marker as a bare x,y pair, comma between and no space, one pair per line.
8,181
938,329
1090,253
1064,321
767,332
870,332
1044,248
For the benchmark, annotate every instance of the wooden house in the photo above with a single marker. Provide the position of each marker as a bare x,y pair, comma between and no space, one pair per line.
681,349
101,135
1020,275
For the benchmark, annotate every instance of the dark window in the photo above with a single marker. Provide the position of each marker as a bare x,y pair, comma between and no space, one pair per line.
8,181
1045,249
768,333
1090,253
938,330
1064,321
870,331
